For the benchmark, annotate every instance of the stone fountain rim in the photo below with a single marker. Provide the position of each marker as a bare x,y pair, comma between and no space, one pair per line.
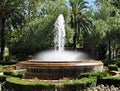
31,63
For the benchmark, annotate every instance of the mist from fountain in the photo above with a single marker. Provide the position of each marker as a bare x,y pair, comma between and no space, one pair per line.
59,54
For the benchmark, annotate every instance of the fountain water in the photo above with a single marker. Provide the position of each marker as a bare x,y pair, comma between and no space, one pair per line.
59,63
59,33
59,54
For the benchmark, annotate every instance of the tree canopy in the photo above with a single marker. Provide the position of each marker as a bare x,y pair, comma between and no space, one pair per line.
31,24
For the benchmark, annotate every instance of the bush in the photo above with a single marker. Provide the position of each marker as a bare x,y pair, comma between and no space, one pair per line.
8,73
109,81
17,84
79,84
14,74
113,61
8,62
116,61
113,67
20,74
2,78
94,74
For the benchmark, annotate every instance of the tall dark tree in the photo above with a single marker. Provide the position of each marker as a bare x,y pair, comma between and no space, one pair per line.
11,15
78,20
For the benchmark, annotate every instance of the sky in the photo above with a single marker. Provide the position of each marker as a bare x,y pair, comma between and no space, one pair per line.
90,2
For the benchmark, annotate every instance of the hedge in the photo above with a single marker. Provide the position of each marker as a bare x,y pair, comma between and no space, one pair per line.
79,84
19,74
116,61
113,67
17,84
109,81
2,78
93,74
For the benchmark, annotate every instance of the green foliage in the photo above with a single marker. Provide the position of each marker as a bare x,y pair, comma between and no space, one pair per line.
113,67
8,62
93,74
8,73
25,82
16,84
38,31
20,74
110,81
79,84
2,78
79,21
105,28
11,16
116,61
11,73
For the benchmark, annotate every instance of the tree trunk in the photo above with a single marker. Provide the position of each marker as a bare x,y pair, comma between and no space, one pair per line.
74,40
75,34
2,39
109,48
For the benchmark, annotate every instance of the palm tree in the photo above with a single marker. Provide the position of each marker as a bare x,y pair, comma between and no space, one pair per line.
10,16
78,20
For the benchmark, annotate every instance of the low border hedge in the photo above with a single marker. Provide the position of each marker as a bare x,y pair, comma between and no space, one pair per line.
17,84
113,67
78,84
109,81
2,78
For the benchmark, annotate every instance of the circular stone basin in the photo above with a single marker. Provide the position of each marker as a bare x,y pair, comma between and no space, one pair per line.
57,70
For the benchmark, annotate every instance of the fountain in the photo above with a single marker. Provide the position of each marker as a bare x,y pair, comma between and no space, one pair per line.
59,63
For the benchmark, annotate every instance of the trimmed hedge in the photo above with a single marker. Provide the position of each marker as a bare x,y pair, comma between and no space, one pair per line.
109,81
93,74
113,67
8,62
79,84
113,61
17,84
14,74
2,78
8,73
116,61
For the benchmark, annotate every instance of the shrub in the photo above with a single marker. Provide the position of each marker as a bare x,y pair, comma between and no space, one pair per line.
8,73
20,74
17,84
116,61
113,61
78,84
86,75
8,62
2,78
113,67
11,73
109,81
93,74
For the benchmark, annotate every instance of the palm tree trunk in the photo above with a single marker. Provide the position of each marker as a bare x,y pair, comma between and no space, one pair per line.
2,39
74,40
75,33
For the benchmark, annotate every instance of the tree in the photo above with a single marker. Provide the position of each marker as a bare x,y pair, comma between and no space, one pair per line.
11,16
38,31
116,3
78,20
109,25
